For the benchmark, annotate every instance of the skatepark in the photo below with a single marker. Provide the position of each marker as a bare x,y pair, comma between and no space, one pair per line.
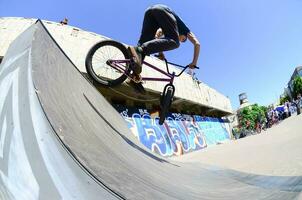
61,139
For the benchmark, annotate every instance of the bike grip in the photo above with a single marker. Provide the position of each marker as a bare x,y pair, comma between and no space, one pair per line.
195,67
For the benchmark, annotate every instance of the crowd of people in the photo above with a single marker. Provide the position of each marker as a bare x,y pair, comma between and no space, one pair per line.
272,117
275,115
282,112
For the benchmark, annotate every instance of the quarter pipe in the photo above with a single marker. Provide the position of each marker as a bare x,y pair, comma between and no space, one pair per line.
60,139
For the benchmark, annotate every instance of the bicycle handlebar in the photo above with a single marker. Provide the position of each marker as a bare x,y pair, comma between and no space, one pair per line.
180,65
177,65
184,67
195,67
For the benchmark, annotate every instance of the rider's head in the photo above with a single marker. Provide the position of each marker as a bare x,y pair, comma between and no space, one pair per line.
182,38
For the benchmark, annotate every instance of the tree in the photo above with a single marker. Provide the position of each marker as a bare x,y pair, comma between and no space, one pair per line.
248,115
297,86
284,99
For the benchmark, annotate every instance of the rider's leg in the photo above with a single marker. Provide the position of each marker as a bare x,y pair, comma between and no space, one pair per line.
165,20
150,26
155,17
149,29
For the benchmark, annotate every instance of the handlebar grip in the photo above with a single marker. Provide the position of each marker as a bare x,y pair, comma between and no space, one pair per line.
195,67
158,56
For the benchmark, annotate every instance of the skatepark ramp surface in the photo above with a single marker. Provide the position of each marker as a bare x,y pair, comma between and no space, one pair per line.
60,139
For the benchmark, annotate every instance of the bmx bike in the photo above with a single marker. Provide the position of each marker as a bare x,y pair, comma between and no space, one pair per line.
109,64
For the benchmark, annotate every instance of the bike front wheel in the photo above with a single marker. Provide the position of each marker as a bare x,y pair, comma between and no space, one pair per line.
165,104
98,67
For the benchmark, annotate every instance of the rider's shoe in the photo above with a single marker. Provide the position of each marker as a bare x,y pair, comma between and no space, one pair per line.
137,58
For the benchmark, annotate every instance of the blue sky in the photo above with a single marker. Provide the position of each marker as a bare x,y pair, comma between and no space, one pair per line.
246,46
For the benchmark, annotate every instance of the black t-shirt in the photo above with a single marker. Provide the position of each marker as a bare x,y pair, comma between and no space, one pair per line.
182,28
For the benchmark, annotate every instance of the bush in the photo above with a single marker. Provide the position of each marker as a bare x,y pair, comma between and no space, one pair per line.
284,99
248,116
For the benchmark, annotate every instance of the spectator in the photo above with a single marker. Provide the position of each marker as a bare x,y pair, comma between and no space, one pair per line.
267,119
64,21
288,105
298,104
248,125
258,123
286,111
293,107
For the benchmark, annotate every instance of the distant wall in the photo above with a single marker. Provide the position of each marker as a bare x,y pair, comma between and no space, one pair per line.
179,134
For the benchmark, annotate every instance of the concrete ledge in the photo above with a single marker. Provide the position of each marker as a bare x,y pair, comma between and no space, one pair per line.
188,90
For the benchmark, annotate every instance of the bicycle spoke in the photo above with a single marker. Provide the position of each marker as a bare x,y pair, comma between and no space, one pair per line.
99,62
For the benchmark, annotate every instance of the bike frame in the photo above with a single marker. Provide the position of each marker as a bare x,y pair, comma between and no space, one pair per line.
169,89
117,64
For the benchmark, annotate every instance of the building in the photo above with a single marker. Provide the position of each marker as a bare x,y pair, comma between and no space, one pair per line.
244,102
290,86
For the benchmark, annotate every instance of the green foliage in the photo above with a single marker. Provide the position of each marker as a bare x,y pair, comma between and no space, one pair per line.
284,99
248,116
297,86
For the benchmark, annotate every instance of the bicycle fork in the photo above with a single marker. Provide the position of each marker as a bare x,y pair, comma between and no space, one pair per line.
167,87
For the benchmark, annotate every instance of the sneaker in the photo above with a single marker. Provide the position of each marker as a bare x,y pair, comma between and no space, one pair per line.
137,57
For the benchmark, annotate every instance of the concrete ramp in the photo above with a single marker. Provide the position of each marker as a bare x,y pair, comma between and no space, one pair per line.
60,139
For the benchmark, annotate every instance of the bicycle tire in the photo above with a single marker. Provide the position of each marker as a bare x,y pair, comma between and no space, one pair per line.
106,74
165,106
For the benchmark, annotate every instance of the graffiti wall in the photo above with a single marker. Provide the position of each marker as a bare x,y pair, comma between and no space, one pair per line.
179,134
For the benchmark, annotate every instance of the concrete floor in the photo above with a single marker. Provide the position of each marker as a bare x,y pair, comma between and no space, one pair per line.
277,151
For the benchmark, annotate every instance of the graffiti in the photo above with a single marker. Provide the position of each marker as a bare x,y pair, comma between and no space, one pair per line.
179,134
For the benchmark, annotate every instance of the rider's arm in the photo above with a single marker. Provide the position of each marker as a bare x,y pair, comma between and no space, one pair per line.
196,44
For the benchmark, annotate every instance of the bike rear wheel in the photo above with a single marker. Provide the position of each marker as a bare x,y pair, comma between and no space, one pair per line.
100,70
165,104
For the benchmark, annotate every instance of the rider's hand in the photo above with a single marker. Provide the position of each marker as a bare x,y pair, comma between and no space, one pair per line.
161,56
192,65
